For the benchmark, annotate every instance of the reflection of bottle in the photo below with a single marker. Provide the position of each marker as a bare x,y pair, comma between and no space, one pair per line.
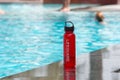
69,52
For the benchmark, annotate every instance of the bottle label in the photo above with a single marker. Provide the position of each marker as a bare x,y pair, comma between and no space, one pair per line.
67,46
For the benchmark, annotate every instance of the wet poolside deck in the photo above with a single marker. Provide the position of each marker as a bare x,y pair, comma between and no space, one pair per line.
89,7
98,65
21,1
99,8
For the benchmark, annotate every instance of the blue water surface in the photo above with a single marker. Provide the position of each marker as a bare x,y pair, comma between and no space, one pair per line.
32,35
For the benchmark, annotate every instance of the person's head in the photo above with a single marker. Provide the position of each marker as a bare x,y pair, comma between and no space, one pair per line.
99,16
99,13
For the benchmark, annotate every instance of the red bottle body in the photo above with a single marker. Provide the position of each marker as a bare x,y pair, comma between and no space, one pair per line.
69,56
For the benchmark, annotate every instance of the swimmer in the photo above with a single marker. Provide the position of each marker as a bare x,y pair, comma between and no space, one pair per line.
100,17
2,12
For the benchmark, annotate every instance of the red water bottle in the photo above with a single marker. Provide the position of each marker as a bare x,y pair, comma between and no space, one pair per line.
69,52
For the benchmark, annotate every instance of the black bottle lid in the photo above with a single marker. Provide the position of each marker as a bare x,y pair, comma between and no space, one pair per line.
69,26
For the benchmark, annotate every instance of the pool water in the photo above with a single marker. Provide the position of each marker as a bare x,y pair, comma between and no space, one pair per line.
32,36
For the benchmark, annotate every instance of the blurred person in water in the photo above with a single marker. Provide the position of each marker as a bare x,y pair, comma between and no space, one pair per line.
2,12
100,17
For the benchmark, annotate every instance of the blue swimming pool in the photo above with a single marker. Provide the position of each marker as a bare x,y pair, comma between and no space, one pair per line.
31,35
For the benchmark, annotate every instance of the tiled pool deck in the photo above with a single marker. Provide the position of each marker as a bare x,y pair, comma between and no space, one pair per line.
98,65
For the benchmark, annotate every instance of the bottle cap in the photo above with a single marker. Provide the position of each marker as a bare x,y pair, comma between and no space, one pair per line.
69,26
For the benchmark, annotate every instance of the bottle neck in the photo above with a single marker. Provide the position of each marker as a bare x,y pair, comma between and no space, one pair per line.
68,32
